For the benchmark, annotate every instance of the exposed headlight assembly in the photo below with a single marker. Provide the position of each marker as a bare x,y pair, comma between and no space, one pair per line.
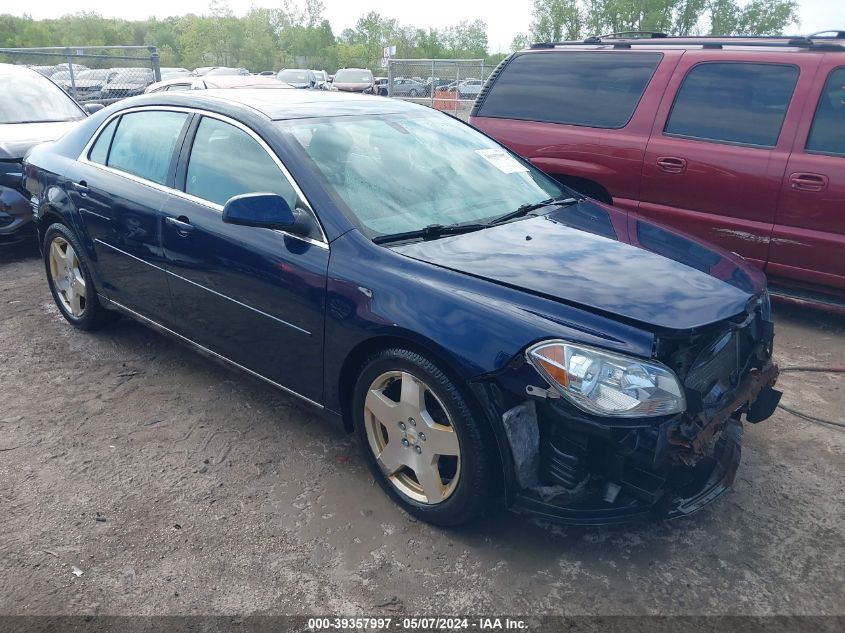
607,384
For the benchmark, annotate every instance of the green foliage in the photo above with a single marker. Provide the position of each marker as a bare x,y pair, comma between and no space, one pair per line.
293,35
556,20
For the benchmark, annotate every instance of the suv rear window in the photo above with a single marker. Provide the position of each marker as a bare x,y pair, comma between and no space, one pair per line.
593,89
733,102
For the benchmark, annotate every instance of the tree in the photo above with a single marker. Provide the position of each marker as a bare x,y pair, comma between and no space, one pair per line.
556,20
520,41
465,39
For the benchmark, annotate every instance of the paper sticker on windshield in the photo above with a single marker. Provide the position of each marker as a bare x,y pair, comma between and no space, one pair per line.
501,160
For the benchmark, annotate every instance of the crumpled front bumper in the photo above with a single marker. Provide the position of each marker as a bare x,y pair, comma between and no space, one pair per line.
664,476
672,506
15,217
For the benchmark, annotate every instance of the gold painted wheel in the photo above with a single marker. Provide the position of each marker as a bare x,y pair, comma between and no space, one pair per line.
67,277
412,437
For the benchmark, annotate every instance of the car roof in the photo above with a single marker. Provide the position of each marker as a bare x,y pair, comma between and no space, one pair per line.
280,104
223,81
12,69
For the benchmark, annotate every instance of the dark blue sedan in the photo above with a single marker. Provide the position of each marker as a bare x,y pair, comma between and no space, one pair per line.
485,332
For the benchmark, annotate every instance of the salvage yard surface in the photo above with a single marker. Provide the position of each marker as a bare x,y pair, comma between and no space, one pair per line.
140,478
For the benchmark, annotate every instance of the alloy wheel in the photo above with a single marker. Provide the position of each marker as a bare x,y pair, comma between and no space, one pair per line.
67,277
412,437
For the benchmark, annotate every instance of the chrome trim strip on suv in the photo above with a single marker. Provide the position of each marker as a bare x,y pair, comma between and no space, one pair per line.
161,328
219,294
83,158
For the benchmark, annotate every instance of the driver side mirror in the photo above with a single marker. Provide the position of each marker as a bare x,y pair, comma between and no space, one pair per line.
91,108
267,211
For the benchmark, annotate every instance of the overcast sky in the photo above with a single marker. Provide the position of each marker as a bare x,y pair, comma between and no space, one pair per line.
503,21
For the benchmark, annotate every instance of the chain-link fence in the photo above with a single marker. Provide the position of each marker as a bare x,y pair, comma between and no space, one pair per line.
101,74
450,85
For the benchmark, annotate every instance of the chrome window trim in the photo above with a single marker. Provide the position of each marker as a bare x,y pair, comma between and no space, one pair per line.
206,288
158,326
83,158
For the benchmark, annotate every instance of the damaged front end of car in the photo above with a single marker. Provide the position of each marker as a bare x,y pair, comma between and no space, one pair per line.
597,437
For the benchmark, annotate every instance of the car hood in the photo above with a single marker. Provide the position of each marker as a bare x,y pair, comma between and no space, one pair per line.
16,139
597,257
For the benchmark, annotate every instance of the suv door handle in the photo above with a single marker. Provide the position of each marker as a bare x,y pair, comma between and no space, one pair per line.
81,187
808,182
671,164
182,224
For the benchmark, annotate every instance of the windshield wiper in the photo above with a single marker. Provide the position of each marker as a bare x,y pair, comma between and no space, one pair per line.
525,209
430,232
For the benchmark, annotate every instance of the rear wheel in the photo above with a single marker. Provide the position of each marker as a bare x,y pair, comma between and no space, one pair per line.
70,280
420,438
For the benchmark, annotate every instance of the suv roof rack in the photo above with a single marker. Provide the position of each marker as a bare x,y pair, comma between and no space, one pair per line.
637,34
832,34
646,38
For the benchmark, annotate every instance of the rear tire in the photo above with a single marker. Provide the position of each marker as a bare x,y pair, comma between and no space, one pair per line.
70,281
420,438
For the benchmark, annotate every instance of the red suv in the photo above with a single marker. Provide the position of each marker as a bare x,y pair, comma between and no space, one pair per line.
740,141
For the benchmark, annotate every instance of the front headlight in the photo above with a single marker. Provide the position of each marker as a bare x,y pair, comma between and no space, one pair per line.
608,384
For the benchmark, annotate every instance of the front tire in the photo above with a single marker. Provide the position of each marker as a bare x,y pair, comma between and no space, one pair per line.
69,278
420,438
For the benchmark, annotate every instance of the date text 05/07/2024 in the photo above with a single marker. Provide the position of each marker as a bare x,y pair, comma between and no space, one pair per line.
417,623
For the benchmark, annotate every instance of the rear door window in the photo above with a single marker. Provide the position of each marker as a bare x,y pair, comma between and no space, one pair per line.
593,89
733,102
144,142
100,152
827,135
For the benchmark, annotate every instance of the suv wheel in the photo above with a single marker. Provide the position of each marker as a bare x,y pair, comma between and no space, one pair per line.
70,280
420,439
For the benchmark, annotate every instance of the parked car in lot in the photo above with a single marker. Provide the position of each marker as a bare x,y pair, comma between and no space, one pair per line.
468,318
738,141
87,84
225,70
380,86
298,77
173,73
33,110
127,82
354,80
216,81
408,88
466,88
322,79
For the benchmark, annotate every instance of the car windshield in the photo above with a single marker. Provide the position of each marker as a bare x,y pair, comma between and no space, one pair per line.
296,76
353,77
400,173
36,100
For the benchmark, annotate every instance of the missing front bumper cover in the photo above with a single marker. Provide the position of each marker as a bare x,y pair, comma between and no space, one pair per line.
669,470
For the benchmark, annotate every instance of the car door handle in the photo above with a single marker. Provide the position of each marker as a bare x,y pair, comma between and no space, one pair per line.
671,164
808,182
182,225
81,187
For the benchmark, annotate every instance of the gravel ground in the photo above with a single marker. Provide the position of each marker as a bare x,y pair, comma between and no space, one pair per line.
178,487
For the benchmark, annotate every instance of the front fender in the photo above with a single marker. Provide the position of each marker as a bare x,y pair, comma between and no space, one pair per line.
476,326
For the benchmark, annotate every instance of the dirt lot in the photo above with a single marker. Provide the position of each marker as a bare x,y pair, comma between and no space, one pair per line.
176,486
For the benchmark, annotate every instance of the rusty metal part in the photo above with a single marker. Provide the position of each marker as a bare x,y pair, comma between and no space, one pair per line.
702,444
